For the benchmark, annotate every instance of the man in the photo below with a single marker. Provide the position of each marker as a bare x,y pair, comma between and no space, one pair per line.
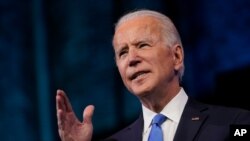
149,56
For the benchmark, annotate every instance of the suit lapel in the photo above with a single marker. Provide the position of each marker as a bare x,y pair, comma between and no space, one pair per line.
134,132
131,133
191,121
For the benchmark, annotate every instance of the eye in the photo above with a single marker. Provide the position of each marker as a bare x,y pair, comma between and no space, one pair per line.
143,45
122,52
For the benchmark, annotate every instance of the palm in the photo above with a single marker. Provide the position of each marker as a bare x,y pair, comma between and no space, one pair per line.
70,128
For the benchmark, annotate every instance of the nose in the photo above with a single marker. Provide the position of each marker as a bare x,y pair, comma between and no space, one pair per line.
133,59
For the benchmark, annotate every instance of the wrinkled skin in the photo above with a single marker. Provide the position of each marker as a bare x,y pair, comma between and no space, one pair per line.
69,127
148,69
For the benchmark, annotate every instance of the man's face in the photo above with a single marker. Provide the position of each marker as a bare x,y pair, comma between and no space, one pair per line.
145,62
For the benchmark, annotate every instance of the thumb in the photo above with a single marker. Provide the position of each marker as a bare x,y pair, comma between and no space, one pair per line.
88,113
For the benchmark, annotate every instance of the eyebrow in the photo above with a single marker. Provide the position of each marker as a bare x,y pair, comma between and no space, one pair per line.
134,42
143,40
120,48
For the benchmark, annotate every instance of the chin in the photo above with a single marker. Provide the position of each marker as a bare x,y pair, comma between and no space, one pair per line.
141,92
141,89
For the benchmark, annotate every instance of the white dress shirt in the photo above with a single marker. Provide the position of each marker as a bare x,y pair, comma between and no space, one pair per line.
173,111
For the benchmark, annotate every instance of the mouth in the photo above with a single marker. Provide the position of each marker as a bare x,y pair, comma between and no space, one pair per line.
138,74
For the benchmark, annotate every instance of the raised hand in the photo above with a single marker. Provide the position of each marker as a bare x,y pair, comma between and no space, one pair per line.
69,126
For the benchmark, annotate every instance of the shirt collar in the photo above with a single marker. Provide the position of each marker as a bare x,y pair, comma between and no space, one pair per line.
173,110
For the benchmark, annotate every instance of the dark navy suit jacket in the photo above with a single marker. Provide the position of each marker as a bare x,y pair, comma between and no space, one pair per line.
199,122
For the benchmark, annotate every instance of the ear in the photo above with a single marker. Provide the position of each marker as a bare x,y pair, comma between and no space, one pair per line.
178,57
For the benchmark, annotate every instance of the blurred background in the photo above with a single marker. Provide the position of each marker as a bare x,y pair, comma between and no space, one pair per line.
47,45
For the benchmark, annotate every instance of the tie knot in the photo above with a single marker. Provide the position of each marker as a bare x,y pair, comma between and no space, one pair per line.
159,119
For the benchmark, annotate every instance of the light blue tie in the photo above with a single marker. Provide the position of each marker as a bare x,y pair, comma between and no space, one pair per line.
156,132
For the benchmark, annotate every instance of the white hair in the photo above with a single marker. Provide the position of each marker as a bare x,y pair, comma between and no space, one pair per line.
169,32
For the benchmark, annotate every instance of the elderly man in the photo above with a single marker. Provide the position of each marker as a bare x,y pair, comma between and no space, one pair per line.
149,56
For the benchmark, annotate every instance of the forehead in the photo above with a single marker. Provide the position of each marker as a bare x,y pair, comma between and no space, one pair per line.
137,28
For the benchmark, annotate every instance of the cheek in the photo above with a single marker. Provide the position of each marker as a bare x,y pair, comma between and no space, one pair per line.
164,64
122,71
159,60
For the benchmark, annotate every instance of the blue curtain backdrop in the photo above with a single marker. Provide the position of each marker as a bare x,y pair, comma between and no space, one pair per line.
66,44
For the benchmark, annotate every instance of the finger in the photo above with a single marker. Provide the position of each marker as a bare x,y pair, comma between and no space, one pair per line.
65,100
60,119
88,113
60,101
